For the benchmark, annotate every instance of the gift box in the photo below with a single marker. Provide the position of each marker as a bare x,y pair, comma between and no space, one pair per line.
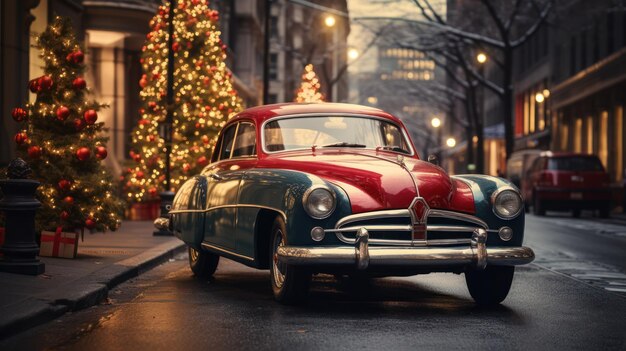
58,244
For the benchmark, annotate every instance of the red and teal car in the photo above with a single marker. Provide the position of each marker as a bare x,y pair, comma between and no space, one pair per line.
302,189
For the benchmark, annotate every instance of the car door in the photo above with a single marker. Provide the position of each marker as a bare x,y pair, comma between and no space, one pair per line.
225,175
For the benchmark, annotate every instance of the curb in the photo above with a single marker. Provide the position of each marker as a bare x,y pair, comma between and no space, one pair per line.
87,291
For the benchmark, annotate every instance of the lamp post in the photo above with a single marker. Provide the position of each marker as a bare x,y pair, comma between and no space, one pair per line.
477,150
330,22
166,127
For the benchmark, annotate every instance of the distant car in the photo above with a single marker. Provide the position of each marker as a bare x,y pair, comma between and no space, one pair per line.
519,163
336,188
567,182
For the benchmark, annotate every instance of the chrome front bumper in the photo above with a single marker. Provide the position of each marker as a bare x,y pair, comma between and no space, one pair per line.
476,255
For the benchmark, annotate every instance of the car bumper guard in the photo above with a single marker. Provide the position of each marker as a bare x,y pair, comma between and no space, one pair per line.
362,255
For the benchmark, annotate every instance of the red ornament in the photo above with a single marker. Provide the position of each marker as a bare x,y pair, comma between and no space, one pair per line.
202,161
21,138
139,175
19,114
79,124
34,151
68,200
220,107
65,215
144,121
101,152
152,105
90,223
33,85
78,57
45,83
176,46
64,184
62,113
186,167
205,139
90,116
151,137
83,153
152,192
137,157
79,83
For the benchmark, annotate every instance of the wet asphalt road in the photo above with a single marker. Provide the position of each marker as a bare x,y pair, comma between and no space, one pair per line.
553,305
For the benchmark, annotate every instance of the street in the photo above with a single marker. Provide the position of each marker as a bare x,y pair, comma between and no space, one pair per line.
572,298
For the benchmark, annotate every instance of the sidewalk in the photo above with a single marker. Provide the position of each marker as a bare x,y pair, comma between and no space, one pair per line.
104,260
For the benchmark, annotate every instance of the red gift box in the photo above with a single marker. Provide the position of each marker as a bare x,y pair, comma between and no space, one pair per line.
58,244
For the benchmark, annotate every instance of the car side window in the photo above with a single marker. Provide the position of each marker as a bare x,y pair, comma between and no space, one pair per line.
226,142
245,143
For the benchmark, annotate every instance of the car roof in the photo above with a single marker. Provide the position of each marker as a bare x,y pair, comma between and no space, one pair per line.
262,113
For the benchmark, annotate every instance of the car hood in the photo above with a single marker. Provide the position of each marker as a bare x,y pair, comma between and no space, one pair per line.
377,180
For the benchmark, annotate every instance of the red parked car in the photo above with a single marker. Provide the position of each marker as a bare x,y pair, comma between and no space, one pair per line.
567,181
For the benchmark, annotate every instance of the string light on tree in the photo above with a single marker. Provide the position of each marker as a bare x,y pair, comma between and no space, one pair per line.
58,133
204,98
309,90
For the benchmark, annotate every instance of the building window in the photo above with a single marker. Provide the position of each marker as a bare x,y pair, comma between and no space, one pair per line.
273,69
603,151
273,26
578,129
618,149
590,135
564,136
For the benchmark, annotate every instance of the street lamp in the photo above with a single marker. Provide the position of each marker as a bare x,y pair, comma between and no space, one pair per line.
353,54
329,21
539,97
481,58
451,142
435,122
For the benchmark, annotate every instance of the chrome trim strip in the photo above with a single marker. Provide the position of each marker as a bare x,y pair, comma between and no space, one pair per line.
217,248
458,216
282,213
372,215
331,114
389,228
405,256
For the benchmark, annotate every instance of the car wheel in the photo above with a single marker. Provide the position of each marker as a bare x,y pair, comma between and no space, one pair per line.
491,285
576,213
290,284
202,263
537,207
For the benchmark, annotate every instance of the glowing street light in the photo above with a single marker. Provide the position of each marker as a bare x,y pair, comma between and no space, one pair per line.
539,97
546,93
435,122
481,58
329,21
353,54
451,142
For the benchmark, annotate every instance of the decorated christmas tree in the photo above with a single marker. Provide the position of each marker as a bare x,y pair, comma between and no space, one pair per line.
204,98
309,90
62,141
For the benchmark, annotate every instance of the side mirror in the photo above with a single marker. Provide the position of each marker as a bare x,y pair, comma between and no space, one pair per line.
433,159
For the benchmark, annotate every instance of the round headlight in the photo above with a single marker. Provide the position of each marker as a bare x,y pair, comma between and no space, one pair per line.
507,203
319,202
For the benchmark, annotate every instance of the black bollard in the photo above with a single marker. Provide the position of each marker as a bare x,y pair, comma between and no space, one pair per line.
19,205
167,197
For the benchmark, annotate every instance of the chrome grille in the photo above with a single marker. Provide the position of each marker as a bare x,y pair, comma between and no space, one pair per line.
394,227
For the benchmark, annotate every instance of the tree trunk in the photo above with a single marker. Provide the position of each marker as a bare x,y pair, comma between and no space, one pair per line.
508,101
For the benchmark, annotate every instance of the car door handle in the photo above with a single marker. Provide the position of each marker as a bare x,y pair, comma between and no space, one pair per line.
215,176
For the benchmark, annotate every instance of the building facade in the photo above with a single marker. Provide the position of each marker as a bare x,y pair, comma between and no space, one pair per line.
113,33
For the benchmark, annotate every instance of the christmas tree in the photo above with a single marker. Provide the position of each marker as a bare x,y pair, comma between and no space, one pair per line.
63,142
204,98
309,90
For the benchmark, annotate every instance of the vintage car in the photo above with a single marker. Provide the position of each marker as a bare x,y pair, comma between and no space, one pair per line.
333,188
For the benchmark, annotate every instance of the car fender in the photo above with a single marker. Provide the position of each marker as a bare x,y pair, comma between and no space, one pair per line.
483,187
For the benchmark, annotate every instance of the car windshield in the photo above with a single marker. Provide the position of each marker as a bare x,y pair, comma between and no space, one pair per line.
333,131
575,164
